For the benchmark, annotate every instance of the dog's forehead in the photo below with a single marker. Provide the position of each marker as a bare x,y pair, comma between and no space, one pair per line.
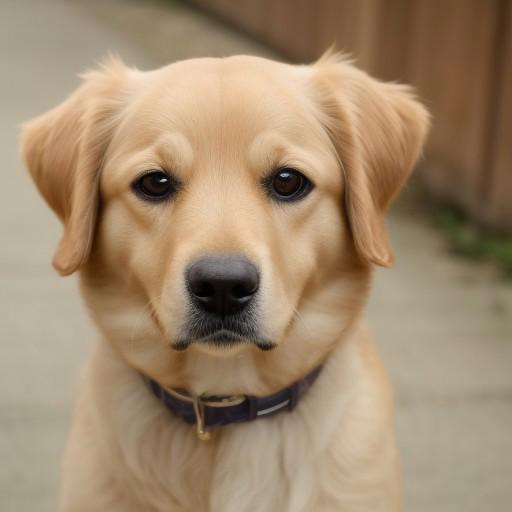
205,99
230,114
215,81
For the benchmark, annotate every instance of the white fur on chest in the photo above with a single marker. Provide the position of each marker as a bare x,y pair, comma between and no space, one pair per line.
290,462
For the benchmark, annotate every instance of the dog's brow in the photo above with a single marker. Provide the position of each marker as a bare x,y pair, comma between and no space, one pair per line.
271,150
268,150
174,150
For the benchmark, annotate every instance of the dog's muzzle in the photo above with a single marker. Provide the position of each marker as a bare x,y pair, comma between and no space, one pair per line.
223,293
222,286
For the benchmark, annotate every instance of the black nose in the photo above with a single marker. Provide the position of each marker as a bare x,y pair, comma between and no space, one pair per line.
222,285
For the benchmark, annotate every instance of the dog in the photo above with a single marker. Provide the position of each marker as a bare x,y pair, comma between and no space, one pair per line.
225,216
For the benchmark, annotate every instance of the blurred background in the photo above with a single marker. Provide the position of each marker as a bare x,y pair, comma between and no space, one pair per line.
449,357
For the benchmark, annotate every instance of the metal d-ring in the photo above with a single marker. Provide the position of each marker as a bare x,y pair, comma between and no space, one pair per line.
199,403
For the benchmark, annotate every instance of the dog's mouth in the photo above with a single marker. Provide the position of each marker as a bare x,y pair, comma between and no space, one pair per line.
223,338
219,333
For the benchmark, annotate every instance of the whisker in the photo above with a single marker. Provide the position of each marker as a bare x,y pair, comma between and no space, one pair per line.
297,316
139,318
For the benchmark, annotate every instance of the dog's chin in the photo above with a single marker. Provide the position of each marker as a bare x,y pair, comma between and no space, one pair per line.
221,342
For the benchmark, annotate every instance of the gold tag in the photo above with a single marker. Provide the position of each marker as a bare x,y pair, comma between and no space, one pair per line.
202,432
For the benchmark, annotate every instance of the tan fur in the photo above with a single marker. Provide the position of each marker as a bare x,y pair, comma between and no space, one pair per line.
220,126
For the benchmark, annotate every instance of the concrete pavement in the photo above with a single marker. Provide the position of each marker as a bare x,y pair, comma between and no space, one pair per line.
444,326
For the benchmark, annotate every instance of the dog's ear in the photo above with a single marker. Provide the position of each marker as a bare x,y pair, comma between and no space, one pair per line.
378,130
63,149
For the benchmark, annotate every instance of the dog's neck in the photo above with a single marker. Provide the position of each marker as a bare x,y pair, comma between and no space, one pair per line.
217,411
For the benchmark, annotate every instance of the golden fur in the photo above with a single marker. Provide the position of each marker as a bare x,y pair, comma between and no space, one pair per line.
220,125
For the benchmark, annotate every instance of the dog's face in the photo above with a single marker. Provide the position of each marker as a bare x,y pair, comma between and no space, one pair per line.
225,212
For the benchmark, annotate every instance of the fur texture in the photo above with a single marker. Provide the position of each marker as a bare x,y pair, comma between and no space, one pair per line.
220,127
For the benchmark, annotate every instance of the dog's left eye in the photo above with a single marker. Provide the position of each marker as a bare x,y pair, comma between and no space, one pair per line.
155,186
287,184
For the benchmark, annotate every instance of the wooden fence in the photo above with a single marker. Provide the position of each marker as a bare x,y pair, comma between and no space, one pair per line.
458,54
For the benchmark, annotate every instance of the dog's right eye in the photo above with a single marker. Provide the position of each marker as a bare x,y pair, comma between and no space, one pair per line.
155,186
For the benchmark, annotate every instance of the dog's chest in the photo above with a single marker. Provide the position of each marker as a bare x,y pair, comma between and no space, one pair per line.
243,467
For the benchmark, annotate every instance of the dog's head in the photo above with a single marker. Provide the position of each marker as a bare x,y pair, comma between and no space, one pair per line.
225,209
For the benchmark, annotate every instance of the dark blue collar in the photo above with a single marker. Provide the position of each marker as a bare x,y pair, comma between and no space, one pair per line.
217,411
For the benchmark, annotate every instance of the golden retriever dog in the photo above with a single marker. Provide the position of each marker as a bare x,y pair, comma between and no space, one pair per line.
224,216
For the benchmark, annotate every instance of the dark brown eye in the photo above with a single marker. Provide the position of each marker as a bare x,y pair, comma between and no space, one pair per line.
155,186
288,185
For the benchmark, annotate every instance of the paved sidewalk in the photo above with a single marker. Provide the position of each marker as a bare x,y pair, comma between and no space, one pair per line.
444,326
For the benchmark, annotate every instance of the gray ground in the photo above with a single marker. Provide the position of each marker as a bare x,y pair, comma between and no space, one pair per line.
444,326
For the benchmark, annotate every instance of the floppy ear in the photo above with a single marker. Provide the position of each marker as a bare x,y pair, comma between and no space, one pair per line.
378,130
63,149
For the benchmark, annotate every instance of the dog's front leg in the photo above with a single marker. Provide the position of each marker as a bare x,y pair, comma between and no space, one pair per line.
88,484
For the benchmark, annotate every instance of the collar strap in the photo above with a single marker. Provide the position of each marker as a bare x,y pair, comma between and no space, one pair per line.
217,411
